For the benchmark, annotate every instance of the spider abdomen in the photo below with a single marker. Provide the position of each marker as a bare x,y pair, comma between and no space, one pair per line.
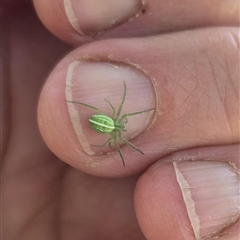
102,123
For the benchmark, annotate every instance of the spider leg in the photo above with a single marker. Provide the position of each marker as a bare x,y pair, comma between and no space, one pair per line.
124,116
128,143
104,144
86,105
125,120
118,149
123,100
112,107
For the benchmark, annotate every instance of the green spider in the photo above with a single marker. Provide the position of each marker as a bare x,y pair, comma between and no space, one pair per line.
114,126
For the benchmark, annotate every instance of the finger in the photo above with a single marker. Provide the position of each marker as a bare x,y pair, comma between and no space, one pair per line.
190,78
191,194
79,21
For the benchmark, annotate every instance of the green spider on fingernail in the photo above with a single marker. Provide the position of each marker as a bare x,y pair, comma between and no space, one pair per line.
114,125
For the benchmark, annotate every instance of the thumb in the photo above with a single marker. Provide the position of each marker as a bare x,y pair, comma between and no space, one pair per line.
185,200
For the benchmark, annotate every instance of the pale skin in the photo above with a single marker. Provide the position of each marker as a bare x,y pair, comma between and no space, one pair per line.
40,192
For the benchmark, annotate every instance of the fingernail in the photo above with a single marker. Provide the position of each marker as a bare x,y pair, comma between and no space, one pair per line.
91,17
93,82
211,194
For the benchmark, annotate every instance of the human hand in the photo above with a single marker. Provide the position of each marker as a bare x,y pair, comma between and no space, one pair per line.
196,124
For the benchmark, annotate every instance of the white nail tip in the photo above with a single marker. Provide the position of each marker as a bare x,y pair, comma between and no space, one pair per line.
211,193
71,16
190,204
72,108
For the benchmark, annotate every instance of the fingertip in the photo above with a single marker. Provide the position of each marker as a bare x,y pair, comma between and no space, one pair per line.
159,206
182,198
78,22
65,125
53,16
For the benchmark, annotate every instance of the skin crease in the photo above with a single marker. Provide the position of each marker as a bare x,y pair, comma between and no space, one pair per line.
42,196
